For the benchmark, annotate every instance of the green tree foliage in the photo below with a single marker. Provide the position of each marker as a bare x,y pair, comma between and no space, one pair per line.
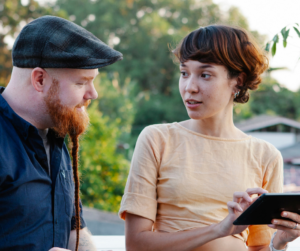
284,34
14,14
143,88
104,149
116,103
144,31
103,170
270,98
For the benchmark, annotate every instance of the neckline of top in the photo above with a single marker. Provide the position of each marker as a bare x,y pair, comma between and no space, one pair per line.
211,137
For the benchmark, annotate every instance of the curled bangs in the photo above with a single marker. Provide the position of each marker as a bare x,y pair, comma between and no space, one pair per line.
198,46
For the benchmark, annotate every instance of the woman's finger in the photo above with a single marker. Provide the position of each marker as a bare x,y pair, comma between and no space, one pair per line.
279,227
241,195
256,190
293,216
234,205
291,233
59,249
285,223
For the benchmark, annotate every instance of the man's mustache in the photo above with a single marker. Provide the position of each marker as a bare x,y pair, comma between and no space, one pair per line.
86,104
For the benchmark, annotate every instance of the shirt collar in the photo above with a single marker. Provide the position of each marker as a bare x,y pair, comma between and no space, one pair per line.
22,126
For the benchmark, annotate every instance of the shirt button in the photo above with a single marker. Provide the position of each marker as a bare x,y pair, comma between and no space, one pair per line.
56,221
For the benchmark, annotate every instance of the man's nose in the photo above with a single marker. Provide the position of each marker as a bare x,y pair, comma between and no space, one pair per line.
91,92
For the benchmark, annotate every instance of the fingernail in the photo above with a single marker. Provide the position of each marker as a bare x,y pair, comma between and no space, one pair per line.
271,225
275,221
284,214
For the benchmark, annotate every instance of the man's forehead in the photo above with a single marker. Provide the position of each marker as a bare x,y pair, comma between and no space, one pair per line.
86,74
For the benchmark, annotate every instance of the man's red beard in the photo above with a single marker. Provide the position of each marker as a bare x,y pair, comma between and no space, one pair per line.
66,120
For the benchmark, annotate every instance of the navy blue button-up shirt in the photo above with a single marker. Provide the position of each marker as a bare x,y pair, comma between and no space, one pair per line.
36,210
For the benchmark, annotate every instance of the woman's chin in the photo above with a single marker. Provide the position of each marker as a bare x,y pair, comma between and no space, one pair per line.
195,116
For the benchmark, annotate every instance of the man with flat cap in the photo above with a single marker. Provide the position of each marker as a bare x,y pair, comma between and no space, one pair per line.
54,64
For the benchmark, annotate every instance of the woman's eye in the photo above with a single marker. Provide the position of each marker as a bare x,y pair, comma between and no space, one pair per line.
203,75
183,73
79,83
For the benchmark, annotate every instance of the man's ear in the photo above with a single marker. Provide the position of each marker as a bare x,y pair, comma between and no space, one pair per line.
38,78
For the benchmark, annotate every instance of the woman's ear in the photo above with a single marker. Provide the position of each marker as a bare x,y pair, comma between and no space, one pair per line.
38,77
240,80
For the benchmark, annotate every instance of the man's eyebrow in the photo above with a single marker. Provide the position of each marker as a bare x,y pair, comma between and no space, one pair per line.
87,78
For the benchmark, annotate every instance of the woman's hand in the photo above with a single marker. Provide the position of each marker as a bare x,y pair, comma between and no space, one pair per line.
287,230
59,249
241,201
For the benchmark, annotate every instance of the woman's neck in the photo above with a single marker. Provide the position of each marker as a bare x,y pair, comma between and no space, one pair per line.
220,125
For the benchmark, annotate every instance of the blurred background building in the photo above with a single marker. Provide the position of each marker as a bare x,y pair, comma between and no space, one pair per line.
284,134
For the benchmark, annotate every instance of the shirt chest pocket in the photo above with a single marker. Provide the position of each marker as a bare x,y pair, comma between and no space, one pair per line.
68,190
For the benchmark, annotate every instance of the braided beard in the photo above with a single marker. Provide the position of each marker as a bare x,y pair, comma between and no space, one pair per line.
73,122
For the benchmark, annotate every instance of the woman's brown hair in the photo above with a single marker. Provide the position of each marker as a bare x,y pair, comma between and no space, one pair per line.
230,46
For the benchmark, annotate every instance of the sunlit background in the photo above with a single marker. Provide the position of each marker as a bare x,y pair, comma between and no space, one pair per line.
143,88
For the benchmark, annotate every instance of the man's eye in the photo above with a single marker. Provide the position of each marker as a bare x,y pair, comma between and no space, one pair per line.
79,83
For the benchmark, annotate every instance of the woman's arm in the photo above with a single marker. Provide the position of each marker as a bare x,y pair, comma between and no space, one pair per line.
139,234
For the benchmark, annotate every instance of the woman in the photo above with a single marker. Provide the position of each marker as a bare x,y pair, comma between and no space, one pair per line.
183,174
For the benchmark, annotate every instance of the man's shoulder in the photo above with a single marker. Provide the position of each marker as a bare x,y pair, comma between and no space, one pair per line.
10,141
6,128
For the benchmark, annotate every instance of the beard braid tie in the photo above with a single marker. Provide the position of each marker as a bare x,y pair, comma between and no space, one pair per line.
75,147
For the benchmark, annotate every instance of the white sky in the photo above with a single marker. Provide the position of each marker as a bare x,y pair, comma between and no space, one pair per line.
269,17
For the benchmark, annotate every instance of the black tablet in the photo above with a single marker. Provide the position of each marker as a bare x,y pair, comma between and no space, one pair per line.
269,206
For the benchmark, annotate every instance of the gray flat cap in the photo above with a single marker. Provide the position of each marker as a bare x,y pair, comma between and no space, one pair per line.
53,42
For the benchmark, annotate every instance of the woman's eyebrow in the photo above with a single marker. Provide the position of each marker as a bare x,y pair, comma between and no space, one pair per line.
206,66
201,66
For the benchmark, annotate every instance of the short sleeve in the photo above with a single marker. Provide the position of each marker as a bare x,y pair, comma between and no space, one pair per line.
73,220
140,196
272,182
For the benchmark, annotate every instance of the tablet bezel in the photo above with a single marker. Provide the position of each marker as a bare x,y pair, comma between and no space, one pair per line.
269,206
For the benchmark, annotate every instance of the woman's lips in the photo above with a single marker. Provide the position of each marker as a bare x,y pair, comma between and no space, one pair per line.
192,106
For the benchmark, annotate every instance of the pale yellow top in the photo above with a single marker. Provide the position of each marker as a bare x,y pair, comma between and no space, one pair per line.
181,180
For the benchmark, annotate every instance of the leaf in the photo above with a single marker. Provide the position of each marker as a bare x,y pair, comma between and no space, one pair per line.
285,35
274,49
284,43
267,47
283,31
298,32
276,39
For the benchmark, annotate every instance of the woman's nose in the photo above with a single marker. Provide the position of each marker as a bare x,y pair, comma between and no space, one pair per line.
191,85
